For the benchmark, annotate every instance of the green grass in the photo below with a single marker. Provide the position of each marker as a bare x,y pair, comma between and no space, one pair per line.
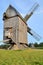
23,57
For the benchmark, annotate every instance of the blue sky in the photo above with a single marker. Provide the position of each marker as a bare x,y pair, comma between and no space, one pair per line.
23,6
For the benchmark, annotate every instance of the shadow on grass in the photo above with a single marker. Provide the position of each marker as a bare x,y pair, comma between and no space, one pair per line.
36,63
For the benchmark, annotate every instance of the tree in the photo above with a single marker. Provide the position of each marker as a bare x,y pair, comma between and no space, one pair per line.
4,46
36,44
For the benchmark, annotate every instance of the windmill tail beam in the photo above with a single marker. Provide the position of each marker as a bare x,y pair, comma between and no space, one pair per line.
4,40
34,34
34,7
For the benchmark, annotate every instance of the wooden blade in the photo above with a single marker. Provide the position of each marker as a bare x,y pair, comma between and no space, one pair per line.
34,7
34,34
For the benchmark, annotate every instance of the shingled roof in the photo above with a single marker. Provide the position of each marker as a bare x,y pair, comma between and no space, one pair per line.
17,13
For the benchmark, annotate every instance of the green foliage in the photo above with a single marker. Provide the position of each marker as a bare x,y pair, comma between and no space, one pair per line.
36,45
41,44
4,46
30,44
23,57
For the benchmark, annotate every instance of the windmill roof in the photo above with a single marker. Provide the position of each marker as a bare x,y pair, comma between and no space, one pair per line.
17,13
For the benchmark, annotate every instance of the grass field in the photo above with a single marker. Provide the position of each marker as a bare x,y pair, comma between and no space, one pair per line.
21,57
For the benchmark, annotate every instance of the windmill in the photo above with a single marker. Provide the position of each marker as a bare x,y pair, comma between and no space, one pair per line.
16,28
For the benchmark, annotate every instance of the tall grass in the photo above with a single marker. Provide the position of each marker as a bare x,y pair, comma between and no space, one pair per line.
23,57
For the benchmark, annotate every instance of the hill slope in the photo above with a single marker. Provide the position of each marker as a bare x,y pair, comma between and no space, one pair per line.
21,57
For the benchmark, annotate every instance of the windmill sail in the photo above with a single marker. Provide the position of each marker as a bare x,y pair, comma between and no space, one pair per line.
34,7
34,34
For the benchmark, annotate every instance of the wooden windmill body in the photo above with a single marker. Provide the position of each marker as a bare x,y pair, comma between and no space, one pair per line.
15,28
